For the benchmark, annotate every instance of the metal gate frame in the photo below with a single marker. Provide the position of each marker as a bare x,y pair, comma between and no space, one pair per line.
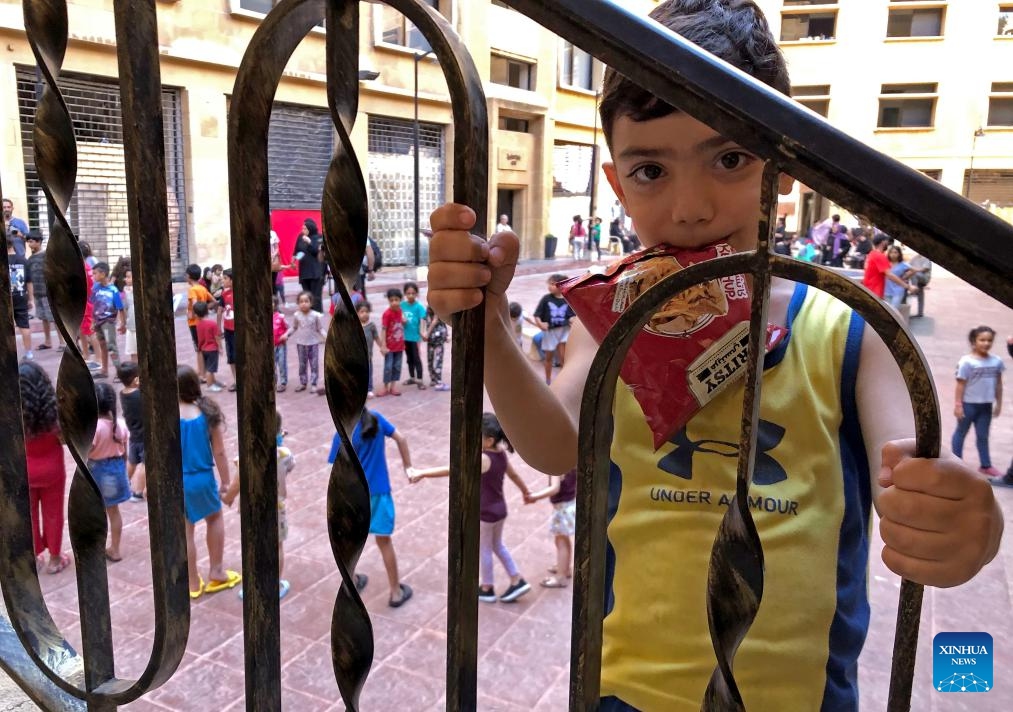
949,230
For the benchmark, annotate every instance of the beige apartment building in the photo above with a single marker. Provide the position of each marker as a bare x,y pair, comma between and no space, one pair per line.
541,101
928,83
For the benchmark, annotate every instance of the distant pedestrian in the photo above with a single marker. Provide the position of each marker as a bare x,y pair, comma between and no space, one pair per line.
503,225
594,238
108,316
368,443
978,397
562,493
578,237
493,510
195,292
130,316
227,323
286,463
553,316
436,336
208,337
311,268
202,442
20,281
414,328
307,331
107,462
38,291
14,227
392,333
130,404
47,476
279,328
372,336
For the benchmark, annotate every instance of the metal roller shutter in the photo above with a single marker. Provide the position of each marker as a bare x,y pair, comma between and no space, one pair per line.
391,184
98,208
992,186
300,144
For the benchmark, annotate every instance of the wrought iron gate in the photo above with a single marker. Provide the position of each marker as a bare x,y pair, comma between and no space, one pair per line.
949,230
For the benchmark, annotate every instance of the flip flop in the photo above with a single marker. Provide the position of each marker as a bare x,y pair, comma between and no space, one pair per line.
360,582
61,563
112,558
552,582
194,595
233,579
406,593
43,347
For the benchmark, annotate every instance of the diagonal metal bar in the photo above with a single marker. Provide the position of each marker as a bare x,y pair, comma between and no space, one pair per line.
969,241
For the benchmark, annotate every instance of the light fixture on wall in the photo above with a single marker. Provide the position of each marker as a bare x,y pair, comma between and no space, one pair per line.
979,132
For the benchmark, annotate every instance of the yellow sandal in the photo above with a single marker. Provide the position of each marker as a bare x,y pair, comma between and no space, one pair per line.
194,595
231,581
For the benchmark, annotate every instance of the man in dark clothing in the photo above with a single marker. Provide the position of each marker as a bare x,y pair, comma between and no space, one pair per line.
14,228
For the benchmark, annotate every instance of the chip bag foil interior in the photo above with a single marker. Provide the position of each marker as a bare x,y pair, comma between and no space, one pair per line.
693,347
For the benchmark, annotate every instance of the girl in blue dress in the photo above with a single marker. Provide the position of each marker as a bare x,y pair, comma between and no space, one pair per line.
201,428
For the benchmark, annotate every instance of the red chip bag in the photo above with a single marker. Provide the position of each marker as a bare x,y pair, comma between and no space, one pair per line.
693,347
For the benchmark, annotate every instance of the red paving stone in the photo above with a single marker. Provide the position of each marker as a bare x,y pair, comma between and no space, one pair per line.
524,647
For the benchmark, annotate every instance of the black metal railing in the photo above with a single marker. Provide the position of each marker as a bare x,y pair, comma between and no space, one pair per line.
951,231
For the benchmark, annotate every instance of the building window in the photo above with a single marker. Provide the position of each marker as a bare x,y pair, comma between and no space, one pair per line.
799,22
920,22
1000,104
1005,20
509,123
815,97
263,6
512,72
396,29
907,105
576,68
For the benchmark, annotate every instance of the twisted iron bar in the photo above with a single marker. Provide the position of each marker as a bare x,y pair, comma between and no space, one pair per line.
735,573
56,160
46,25
346,357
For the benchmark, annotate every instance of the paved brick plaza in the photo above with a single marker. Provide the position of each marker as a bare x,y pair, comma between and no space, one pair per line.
524,646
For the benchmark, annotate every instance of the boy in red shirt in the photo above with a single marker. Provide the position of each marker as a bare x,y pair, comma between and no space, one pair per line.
877,268
393,336
227,323
207,344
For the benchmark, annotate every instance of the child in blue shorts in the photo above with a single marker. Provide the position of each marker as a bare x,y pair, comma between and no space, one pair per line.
107,462
368,444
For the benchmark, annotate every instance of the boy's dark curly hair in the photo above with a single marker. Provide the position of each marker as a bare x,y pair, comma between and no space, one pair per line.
734,30
38,400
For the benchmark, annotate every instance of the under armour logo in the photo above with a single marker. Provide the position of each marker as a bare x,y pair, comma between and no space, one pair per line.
767,471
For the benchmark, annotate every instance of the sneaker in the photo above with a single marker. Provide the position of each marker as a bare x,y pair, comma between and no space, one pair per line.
441,387
215,388
1003,481
29,356
93,365
486,594
515,591
989,472
136,497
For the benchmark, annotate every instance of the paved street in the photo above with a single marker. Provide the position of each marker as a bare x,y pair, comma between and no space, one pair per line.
523,647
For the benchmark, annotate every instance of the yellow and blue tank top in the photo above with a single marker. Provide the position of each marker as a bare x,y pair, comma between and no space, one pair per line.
811,500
